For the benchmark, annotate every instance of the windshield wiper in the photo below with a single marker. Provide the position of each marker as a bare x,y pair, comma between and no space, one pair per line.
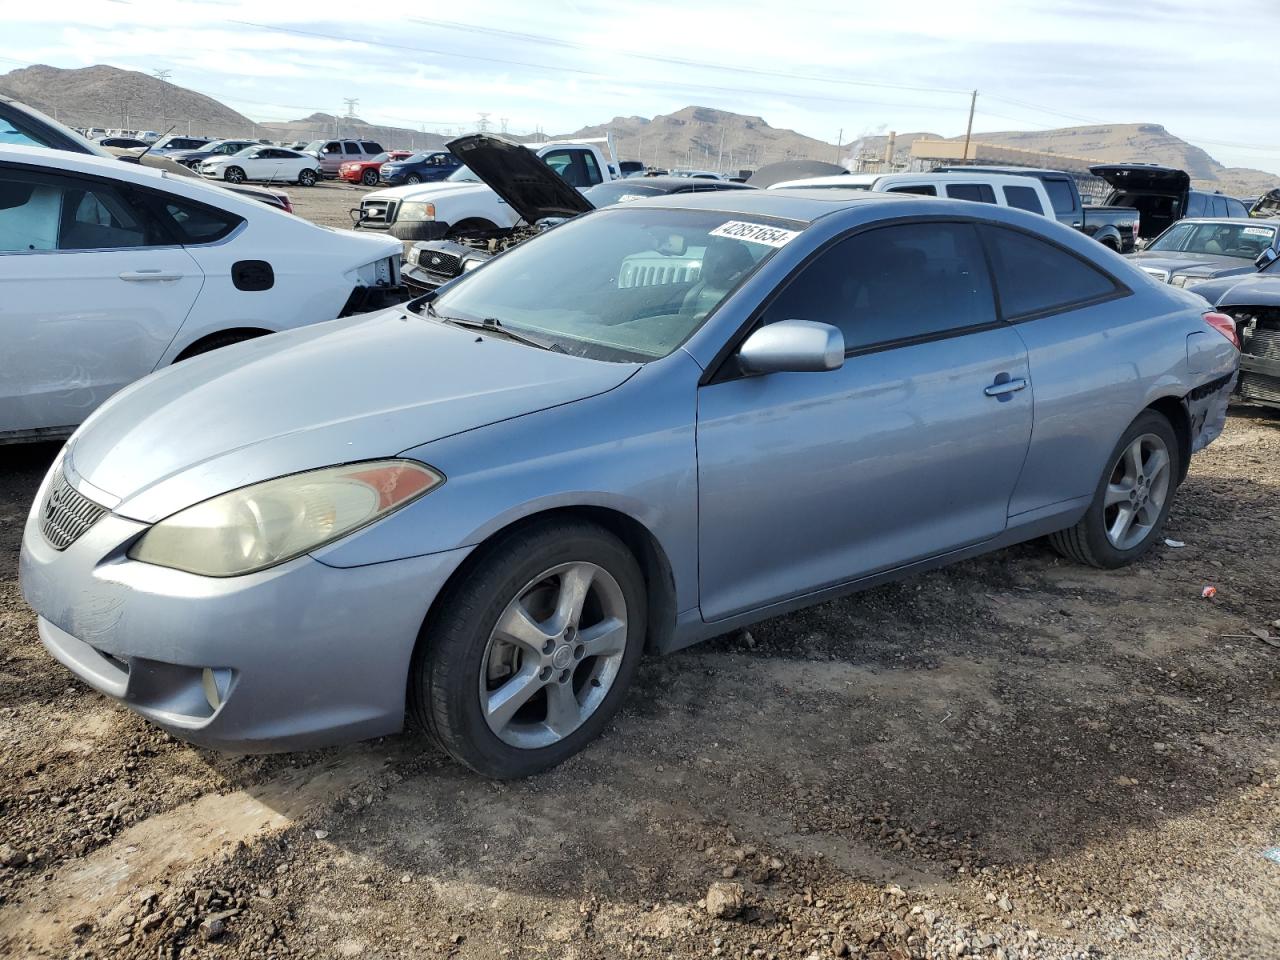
494,325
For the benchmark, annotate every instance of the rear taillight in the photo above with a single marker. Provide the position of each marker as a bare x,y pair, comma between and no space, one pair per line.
1224,325
1137,225
286,205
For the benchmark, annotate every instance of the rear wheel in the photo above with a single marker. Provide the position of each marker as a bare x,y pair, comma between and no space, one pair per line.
307,178
234,175
218,340
369,178
533,651
1132,499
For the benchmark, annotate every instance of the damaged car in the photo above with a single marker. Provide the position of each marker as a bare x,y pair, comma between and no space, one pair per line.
1162,196
111,270
643,428
1253,304
539,196
1193,251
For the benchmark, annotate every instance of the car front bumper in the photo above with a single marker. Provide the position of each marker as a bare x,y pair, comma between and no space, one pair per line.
298,656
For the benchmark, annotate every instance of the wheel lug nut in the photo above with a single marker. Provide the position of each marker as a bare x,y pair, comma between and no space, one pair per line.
544,674
548,646
564,676
578,651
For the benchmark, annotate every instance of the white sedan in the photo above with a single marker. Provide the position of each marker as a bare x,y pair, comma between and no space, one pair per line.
111,270
275,164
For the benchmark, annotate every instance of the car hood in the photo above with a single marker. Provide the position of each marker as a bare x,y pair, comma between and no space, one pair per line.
518,176
1142,176
1199,264
428,191
348,390
1256,290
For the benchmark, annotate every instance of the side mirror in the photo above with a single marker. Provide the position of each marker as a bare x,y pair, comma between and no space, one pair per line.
793,346
1266,258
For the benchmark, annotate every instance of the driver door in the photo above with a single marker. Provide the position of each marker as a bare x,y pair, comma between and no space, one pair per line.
911,450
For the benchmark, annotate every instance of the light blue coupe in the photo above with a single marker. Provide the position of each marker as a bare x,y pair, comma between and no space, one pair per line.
647,426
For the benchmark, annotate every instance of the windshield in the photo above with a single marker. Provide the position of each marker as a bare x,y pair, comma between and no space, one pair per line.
1240,239
626,284
314,146
463,174
620,191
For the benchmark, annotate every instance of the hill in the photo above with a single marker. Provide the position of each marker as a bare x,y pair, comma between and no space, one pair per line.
692,137
706,137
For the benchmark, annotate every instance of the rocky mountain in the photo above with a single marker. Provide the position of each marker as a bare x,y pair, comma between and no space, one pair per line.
706,137
692,137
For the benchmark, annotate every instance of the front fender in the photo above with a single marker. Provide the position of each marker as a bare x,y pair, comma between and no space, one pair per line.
630,450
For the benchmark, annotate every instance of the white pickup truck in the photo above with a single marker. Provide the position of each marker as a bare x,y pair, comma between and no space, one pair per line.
463,206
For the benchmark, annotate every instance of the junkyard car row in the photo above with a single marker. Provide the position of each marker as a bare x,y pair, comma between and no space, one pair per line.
626,416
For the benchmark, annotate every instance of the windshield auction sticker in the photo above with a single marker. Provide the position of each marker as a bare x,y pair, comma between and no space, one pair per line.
755,233
1258,232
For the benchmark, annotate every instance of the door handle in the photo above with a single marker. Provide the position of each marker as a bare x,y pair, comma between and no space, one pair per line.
1005,387
150,275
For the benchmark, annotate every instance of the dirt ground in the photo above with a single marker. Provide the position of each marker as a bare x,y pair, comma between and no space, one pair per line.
327,203
1014,757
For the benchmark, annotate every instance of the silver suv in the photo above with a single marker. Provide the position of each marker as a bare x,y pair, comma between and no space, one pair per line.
334,153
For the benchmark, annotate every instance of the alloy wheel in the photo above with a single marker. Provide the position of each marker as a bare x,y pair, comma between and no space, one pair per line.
1136,491
553,655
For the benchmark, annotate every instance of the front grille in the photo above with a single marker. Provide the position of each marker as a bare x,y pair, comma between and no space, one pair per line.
66,513
1264,342
1257,386
444,264
378,212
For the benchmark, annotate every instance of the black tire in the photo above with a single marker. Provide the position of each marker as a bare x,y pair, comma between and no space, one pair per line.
445,676
307,178
217,341
370,177
413,179
1087,542
233,175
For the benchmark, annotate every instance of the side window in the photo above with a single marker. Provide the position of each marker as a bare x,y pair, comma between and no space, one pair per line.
1061,196
561,161
50,212
370,147
1220,207
196,223
1197,205
924,190
1235,208
333,147
592,170
1035,277
350,146
892,284
1024,198
15,131
980,192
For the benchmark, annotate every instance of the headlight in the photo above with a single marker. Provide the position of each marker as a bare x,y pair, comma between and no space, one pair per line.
1180,281
268,523
417,210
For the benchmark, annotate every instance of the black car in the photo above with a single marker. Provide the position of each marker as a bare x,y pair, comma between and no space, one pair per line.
123,143
1253,302
1195,250
425,166
1162,195
218,148
539,195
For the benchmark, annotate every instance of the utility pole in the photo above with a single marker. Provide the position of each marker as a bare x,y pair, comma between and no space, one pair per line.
351,111
163,76
839,143
720,155
968,131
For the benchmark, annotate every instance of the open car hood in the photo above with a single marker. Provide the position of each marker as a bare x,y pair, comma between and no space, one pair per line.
519,176
1143,176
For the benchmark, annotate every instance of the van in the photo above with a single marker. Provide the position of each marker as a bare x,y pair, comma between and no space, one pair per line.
1024,193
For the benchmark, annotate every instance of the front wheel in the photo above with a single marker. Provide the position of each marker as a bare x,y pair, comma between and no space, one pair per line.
369,178
1132,499
234,175
533,651
413,179
307,178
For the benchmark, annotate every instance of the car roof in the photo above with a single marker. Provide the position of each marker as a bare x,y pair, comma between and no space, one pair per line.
998,168
805,206
674,184
1234,221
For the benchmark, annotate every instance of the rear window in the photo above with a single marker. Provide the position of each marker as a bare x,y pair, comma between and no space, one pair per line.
923,190
1060,195
1036,278
977,192
1023,198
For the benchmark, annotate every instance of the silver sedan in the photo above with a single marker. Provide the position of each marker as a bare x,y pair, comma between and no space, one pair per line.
649,425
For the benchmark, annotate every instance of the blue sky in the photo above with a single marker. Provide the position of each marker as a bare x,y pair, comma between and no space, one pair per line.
1201,70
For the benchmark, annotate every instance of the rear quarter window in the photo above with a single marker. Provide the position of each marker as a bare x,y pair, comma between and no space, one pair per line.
1037,278
195,223
1061,196
1023,198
